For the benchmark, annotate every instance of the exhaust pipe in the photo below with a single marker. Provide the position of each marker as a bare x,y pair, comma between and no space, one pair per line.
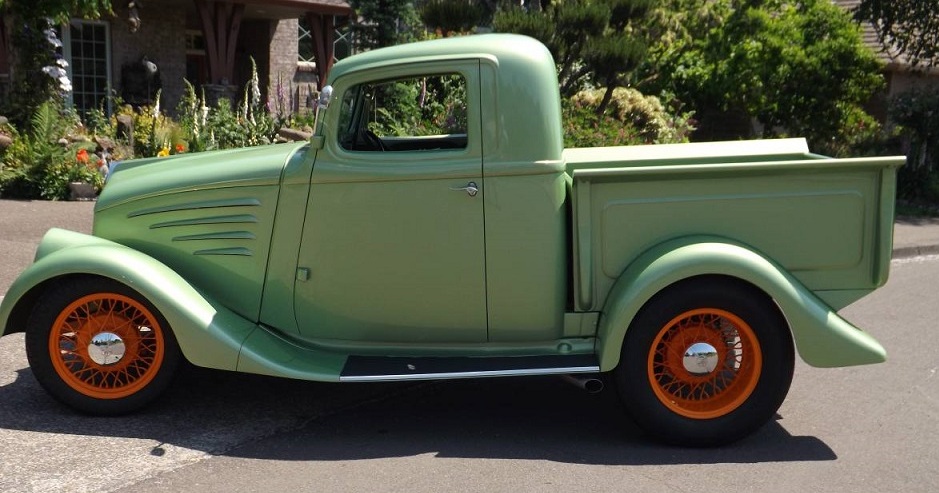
591,384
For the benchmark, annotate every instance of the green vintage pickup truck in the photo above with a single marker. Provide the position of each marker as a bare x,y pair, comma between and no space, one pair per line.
435,227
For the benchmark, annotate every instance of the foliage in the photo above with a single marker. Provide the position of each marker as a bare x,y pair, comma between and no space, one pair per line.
384,23
799,68
451,16
98,122
909,26
39,70
420,106
56,149
259,126
40,163
917,112
673,27
193,114
30,86
223,126
58,10
861,135
592,41
633,119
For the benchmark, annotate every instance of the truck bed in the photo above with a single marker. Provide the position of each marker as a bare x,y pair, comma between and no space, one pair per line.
827,221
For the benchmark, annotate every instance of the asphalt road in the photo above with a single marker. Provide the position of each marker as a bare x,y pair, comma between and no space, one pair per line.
871,428
22,224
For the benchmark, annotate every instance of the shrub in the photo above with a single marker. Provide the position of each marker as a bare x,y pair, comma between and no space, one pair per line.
451,16
632,118
859,135
224,128
41,163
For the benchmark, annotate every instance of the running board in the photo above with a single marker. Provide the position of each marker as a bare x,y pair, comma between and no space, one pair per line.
397,368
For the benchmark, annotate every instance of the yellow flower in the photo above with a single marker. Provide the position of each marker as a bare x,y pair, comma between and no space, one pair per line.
165,151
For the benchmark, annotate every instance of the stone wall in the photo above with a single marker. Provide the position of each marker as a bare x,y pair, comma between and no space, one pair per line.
162,40
291,82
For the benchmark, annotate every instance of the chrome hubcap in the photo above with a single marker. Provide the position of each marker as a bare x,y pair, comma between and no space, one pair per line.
106,348
700,359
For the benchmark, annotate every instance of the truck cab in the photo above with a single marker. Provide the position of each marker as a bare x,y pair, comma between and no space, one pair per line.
427,206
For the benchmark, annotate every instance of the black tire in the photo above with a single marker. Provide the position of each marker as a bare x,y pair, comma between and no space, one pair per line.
725,389
132,360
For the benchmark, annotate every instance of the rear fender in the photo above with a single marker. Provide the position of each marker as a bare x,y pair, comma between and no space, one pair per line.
208,334
822,338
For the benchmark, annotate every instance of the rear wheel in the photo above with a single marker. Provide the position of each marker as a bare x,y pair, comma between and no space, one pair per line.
100,347
705,362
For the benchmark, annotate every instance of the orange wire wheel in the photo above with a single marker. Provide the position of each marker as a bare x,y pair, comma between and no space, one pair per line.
99,346
704,363
106,345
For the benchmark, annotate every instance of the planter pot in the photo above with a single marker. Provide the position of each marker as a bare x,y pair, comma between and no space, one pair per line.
215,92
81,191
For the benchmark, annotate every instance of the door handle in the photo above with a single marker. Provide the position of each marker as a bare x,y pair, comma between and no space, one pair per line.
471,189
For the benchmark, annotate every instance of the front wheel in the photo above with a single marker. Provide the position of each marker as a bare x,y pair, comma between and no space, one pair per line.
100,347
705,362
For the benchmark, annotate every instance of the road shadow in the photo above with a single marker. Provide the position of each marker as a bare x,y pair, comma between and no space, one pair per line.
258,417
522,418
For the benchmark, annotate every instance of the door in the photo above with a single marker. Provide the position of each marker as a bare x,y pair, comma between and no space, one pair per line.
393,246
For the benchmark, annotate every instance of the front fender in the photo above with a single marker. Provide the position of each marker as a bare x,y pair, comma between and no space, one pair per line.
822,338
208,334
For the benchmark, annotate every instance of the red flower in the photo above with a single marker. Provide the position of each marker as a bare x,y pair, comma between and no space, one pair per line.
180,149
82,156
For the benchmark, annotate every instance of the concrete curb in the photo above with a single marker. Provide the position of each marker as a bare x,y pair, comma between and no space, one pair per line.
915,251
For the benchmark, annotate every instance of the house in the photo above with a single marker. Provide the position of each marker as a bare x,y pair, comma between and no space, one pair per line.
899,73
150,45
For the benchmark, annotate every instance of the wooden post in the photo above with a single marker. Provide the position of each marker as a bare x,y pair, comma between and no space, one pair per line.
221,23
323,32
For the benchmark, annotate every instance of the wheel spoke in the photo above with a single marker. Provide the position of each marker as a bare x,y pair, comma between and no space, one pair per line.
119,318
734,373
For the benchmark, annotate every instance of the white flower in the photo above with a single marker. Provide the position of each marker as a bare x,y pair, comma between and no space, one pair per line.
52,38
156,106
60,75
54,72
61,62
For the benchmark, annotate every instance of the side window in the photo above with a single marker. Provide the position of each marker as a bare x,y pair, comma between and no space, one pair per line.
420,113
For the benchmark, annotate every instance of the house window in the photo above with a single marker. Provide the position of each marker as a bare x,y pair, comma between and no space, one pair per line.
342,41
88,52
305,42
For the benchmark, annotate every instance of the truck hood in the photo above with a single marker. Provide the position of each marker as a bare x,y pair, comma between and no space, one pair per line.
141,178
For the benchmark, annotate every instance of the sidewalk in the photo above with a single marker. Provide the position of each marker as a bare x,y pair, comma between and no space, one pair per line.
915,236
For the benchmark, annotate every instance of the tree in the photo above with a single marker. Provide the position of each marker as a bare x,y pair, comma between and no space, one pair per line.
384,22
451,16
57,10
909,26
799,68
591,41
